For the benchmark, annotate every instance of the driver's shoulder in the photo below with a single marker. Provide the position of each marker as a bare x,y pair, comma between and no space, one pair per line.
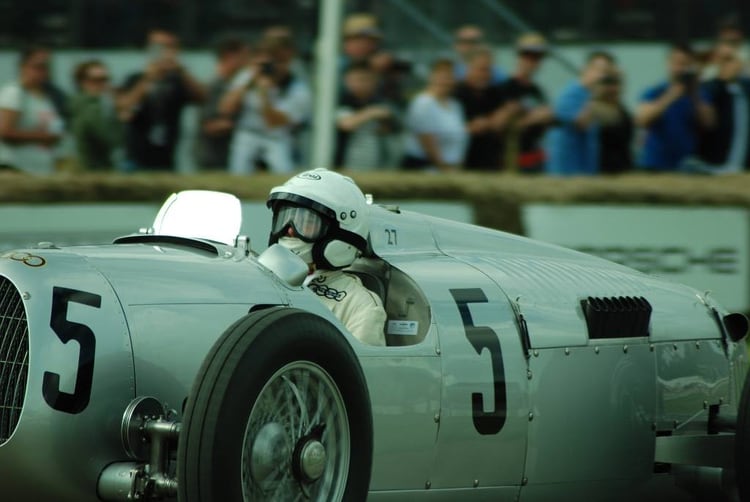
359,292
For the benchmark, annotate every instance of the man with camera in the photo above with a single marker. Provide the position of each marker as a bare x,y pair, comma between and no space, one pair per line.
574,139
726,148
215,129
151,104
271,103
525,113
674,113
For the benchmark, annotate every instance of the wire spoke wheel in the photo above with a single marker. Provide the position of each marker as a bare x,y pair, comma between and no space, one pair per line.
296,443
279,411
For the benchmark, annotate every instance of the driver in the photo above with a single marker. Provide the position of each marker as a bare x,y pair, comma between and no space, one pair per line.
322,217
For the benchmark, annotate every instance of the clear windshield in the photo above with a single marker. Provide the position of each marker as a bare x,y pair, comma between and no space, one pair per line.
200,214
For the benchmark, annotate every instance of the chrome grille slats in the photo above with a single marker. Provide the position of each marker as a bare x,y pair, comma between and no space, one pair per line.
5,293
14,357
20,389
7,322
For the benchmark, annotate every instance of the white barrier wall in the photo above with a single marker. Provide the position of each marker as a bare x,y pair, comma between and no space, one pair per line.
78,224
706,248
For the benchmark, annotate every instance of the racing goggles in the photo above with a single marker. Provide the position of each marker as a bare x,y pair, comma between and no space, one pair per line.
308,225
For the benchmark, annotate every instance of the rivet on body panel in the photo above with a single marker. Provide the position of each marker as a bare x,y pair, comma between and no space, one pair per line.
596,350
651,347
26,295
476,483
536,353
437,350
625,349
674,346
528,374
524,481
427,485
567,351
698,345
437,417
531,416
705,405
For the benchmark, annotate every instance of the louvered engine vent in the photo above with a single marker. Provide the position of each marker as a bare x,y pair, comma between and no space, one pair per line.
617,316
14,357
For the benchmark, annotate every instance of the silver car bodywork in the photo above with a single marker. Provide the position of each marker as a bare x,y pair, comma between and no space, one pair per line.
490,389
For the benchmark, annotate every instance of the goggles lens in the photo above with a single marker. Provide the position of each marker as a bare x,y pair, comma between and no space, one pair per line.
308,225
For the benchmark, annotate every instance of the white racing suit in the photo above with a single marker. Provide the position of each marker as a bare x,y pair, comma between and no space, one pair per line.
358,308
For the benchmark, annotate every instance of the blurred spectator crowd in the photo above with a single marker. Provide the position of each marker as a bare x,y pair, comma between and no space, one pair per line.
467,113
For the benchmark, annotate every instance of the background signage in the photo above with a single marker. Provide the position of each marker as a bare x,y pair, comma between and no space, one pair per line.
705,248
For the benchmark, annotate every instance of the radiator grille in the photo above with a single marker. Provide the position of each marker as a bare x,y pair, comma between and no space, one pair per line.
14,358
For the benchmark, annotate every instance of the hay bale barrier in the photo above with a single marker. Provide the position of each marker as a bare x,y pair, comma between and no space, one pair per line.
497,199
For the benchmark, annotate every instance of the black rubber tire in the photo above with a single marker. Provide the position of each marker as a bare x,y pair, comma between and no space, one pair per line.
229,381
742,443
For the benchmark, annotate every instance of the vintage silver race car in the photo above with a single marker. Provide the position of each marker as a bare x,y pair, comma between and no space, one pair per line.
177,364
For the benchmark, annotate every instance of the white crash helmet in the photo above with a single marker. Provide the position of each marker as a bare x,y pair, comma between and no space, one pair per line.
342,206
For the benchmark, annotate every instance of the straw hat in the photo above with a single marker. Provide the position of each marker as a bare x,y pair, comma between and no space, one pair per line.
532,42
363,25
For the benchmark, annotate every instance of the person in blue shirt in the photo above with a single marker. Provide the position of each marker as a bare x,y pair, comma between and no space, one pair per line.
573,146
673,113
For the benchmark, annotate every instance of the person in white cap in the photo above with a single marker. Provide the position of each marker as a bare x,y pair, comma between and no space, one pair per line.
323,217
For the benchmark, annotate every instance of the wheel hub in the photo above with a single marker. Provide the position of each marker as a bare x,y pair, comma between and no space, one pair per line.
312,460
296,438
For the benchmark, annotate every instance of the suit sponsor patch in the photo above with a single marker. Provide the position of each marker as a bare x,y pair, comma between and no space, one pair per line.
327,292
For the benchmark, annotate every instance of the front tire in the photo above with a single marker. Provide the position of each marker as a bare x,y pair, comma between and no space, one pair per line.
278,411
